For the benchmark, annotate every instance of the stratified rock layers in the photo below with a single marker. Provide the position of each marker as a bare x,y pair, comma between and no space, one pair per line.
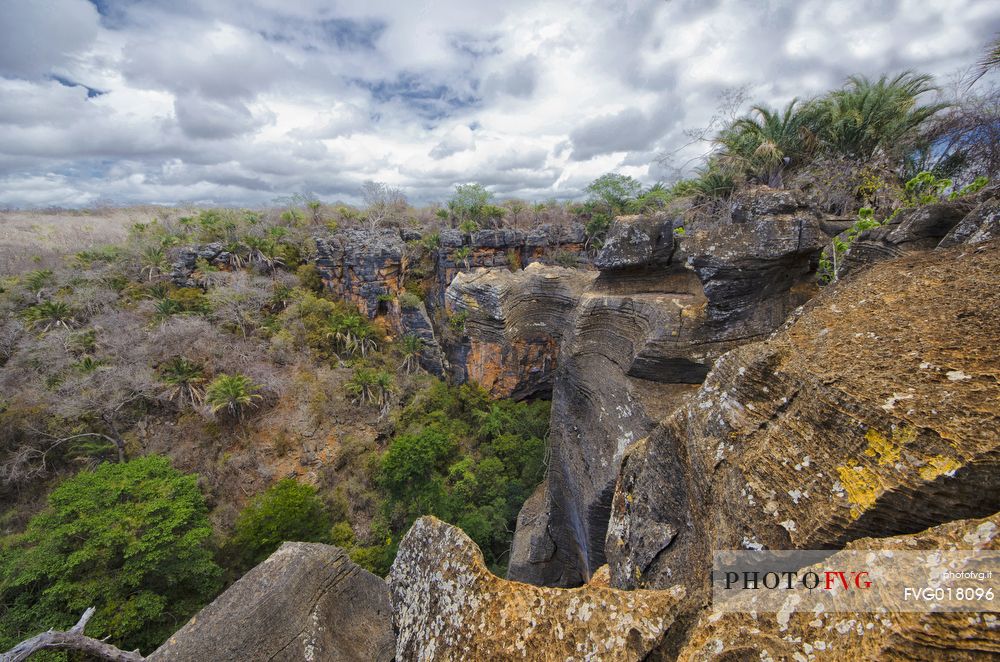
514,323
872,413
667,303
307,601
448,606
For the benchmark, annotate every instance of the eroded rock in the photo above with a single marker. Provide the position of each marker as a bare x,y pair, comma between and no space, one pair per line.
872,413
514,323
851,636
447,605
643,337
307,601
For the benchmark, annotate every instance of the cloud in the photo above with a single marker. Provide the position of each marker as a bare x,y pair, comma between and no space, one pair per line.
241,101
42,36
457,140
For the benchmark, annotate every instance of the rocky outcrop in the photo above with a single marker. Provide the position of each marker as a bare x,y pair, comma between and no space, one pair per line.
414,320
513,323
981,224
894,633
186,259
666,304
447,606
873,413
306,602
363,267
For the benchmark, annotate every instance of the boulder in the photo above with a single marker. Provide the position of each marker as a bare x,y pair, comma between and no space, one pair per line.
846,636
637,241
874,412
307,601
981,224
514,322
447,605
643,337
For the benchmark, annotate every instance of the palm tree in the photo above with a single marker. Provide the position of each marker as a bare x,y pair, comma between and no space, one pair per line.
868,117
50,314
370,386
411,345
154,262
232,393
765,142
463,254
184,379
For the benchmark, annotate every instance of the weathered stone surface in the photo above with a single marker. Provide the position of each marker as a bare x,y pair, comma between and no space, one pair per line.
917,229
872,413
306,602
852,636
644,335
981,224
359,266
448,606
414,320
637,241
514,322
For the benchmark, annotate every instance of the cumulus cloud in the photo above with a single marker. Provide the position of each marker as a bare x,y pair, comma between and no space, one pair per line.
240,101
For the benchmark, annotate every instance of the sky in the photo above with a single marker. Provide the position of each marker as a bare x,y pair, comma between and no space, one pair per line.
246,101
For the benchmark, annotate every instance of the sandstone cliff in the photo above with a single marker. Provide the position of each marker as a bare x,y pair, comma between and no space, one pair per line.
874,412
666,304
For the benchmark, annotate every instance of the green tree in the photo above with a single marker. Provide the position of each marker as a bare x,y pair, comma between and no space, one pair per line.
286,511
613,191
232,393
470,202
130,539
869,117
766,141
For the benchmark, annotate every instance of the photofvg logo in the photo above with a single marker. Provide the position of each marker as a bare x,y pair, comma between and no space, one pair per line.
856,581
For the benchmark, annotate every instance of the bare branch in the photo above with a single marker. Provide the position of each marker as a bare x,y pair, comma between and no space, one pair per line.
72,639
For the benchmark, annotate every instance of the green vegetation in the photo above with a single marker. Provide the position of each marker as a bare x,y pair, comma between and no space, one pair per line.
130,539
287,510
467,460
233,394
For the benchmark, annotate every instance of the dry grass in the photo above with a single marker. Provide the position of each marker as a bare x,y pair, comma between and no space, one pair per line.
38,239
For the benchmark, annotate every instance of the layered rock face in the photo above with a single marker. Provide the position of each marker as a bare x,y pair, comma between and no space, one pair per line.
872,413
666,304
448,606
849,636
363,267
966,220
513,325
509,358
306,602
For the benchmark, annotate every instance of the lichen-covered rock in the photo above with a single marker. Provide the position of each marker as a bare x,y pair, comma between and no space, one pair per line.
448,606
872,413
514,322
644,335
307,602
850,636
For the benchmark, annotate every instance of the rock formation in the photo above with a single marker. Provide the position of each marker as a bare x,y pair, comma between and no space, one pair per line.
666,304
873,413
448,606
513,324
893,634
306,602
